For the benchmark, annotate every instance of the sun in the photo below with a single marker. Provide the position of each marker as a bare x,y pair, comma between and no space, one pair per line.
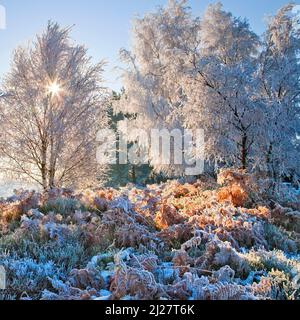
54,88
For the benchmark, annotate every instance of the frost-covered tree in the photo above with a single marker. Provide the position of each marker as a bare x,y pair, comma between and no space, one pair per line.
195,73
157,63
220,86
54,107
216,74
280,93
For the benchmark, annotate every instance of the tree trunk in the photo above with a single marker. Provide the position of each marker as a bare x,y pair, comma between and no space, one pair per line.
244,152
52,166
52,178
44,165
133,174
270,164
44,176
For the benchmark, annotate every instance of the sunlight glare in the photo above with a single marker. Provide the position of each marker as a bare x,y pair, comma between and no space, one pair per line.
54,89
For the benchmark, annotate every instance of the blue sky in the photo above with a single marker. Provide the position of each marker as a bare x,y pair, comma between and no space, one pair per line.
104,25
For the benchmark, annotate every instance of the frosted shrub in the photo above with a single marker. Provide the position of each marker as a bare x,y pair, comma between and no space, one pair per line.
26,276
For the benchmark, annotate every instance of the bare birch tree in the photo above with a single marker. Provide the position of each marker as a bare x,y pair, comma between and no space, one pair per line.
53,108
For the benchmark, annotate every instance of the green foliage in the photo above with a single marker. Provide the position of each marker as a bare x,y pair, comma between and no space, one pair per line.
119,175
63,206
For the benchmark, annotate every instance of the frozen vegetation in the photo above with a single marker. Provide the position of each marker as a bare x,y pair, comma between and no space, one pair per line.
228,239
233,233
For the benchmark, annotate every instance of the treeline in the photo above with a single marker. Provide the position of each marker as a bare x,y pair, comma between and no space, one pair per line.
184,72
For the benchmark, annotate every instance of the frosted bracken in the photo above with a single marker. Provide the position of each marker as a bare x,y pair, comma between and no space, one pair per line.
170,241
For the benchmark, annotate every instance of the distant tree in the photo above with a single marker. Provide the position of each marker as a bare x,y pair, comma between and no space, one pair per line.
54,107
